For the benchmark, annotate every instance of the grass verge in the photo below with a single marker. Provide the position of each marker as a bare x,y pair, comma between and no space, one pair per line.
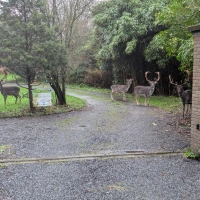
22,109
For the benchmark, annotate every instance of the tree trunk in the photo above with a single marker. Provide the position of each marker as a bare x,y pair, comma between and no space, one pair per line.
32,108
56,87
63,71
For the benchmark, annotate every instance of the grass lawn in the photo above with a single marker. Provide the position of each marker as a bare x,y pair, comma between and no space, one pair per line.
22,109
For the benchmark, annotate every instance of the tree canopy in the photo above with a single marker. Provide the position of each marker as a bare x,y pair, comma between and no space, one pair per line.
123,29
175,41
134,36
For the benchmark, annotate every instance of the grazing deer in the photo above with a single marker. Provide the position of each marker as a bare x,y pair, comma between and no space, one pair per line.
121,89
185,95
11,90
146,91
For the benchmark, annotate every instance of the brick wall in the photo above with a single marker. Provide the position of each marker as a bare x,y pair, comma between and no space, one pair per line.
195,119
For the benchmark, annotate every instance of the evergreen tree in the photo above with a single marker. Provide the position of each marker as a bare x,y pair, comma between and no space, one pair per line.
29,43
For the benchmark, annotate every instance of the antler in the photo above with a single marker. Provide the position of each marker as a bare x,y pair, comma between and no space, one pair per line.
158,76
146,75
154,79
188,73
171,80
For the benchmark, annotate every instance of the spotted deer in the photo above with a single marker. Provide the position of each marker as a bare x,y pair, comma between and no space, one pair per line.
146,91
121,89
9,91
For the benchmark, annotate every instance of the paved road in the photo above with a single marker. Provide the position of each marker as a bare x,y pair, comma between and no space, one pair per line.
107,151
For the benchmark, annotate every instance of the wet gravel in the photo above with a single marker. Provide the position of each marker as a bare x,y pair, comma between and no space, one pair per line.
103,126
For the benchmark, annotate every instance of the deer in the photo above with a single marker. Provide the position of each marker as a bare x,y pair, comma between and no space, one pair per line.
5,71
9,91
121,89
185,95
146,91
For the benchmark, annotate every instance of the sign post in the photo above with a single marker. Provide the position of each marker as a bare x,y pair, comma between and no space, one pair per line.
43,100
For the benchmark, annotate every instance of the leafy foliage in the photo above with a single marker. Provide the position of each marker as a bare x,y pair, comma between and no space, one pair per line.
123,29
176,41
98,78
77,75
191,154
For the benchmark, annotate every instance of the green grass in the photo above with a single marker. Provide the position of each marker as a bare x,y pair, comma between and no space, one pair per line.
12,109
10,77
75,103
22,109
17,110
88,88
167,103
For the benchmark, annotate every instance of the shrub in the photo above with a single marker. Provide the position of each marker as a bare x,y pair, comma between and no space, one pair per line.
77,75
98,78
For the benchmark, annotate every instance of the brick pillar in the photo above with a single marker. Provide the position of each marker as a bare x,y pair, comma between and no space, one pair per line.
195,119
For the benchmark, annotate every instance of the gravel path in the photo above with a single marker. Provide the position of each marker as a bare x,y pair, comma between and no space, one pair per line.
103,127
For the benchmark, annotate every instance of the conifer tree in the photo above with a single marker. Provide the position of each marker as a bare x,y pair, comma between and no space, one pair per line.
29,43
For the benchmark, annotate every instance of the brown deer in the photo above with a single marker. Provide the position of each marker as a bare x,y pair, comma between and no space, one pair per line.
9,91
121,89
5,71
185,95
146,91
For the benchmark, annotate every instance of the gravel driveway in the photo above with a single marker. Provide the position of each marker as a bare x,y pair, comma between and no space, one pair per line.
106,151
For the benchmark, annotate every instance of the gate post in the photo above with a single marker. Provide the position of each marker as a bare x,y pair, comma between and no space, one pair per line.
195,118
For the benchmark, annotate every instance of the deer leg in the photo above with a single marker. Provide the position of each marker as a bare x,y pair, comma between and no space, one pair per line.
124,96
186,109
136,98
5,97
183,110
19,98
145,101
111,95
148,101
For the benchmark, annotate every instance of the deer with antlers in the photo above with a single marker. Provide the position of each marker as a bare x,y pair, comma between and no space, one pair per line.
9,91
146,91
185,95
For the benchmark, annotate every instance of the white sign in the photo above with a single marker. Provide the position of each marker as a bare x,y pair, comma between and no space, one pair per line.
42,99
